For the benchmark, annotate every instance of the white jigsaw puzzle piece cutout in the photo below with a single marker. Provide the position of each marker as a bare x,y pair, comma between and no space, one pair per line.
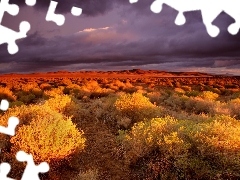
76,11
12,121
210,9
4,105
7,35
4,170
59,19
31,171
133,1
12,9
12,124
30,2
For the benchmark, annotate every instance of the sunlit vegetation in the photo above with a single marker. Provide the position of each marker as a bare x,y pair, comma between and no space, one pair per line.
130,127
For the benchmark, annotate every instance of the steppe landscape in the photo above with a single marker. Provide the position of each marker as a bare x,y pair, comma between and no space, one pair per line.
132,124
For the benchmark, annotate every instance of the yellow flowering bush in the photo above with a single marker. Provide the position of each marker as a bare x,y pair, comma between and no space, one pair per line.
6,93
58,103
208,95
26,113
176,148
148,135
218,142
44,131
49,138
135,106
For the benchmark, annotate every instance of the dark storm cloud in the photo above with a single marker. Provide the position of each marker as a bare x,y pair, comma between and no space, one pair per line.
140,38
90,7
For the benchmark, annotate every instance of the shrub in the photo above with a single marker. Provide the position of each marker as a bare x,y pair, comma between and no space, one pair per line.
92,86
16,103
198,105
154,97
186,88
58,103
145,136
218,144
37,92
27,113
6,93
49,138
192,93
23,112
176,102
29,86
179,90
234,106
208,95
169,148
54,92
135,106
27,98
45,86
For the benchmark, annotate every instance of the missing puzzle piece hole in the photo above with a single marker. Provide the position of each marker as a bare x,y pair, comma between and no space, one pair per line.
76,11
13,122
14,10
31,169
23,28
156,7
233,28
43,167
4,105
10,129
30,2
4,170
12,49
59,19
180,20
133,1
213,31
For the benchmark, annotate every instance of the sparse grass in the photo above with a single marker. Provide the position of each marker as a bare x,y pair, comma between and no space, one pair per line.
88,175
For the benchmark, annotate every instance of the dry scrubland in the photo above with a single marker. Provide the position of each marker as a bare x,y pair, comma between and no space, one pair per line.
125,125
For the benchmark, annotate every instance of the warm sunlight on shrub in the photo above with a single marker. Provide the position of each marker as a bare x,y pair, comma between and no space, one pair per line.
6,93
58,103
45,86
145,136
208,95
219,142
54,92
48,138
179,90
198,105
29,86
234,108
169,147
135,106
53,106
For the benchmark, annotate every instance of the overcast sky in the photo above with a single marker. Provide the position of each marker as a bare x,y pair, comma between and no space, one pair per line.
116,35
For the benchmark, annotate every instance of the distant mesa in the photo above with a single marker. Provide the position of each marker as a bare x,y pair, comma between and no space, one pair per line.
120,73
